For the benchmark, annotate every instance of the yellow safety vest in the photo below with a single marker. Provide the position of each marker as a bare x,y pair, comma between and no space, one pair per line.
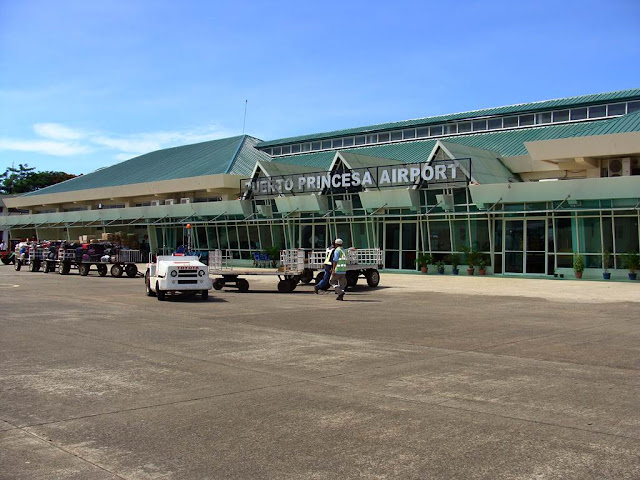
329,260
341,265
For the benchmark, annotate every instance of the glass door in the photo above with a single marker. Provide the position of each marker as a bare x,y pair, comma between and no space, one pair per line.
525,246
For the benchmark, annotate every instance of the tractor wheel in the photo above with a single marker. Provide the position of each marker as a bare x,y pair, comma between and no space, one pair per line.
205,295
117,270
131,270
373,277
160,293
102,270
243,285
218,283
147,284
84,268
6,260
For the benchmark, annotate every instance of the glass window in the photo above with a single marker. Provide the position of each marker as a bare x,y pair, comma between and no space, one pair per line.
510,122
326,144
464,127
495,123
598,111
564,237
344,232
306,147
435,130
409,133
347,142
440,236
337,143
397,135
480,235
295,148
223,235
451,128
561,116
278,236
542,118
423,132
616,109
286,150
526,120
626,233
277,150
590,235
213,238
360,235
361,140
315,145
265,236
268,151
254,239
633,106
460,234
373,138
383,137
479,125
578,113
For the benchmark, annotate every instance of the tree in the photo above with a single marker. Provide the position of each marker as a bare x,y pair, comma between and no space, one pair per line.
25,179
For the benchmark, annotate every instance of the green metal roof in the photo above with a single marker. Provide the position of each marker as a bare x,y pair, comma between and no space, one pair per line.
507,143
235,155
582,100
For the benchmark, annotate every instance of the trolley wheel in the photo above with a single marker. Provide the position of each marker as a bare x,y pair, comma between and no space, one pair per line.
285,286
319,277
218,283
102,270
116,270
34,266
294,283
18,265
131,270
205,295
307,276
160,293
352,278
5,260
45,266
243,285
64,268
373,277
84,268
147,284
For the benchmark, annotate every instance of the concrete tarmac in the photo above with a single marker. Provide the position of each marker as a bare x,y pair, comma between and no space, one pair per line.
426,377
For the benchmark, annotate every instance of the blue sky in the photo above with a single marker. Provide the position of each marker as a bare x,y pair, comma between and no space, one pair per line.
88,84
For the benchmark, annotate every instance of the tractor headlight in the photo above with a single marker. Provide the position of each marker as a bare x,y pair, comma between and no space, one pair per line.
201,273
174,273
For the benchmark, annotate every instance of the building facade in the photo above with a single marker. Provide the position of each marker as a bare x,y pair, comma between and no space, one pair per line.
529,186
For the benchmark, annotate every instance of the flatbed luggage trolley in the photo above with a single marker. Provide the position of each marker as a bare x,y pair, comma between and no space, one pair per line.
361,262
122,262
292,266
30,259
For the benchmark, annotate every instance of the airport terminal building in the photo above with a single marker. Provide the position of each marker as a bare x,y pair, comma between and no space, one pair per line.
528,185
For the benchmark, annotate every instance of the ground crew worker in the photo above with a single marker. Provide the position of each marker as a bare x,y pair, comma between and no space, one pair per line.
328,262
339,269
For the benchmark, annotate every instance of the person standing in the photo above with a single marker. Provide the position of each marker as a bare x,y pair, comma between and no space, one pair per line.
328,262
339,269
2,247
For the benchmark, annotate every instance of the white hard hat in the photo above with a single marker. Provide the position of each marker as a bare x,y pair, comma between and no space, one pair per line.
338,241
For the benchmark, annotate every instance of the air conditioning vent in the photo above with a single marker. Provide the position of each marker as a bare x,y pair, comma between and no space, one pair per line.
186,200
169,201
155,203
619,167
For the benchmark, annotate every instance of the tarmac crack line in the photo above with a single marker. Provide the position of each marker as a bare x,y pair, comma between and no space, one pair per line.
62,449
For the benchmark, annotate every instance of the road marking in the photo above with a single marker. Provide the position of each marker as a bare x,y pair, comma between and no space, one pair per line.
8,285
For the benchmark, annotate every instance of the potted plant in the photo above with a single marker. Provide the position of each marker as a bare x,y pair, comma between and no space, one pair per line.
482,266
455,261
423,260
606,263
472,257
631,261
578,265
274,254
440,266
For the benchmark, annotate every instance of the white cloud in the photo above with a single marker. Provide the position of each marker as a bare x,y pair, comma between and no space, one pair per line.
57,131
46,147
60,140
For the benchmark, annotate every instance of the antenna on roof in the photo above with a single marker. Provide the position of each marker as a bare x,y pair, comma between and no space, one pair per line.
244,121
